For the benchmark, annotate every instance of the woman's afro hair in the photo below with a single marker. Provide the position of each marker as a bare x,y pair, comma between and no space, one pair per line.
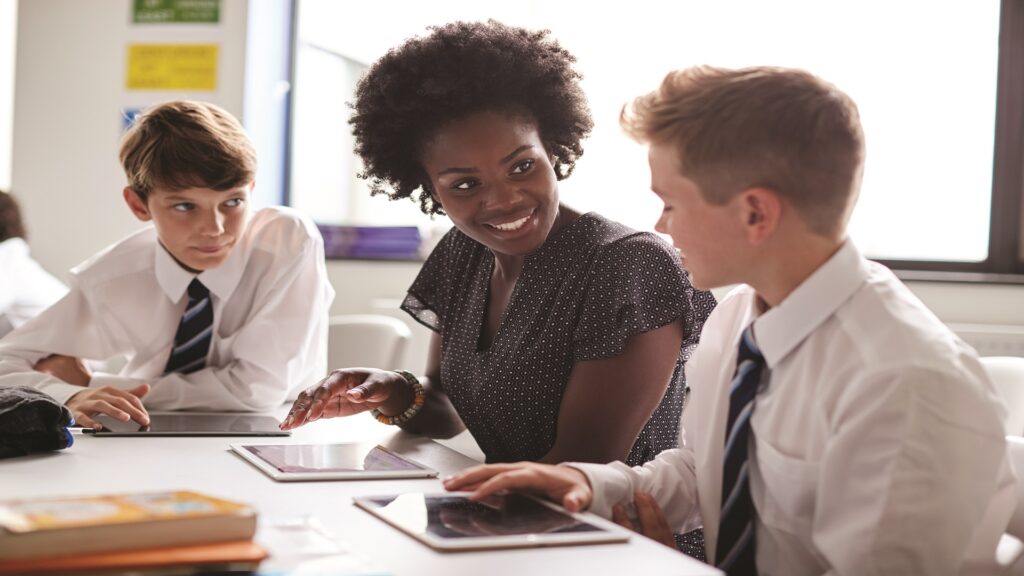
460,69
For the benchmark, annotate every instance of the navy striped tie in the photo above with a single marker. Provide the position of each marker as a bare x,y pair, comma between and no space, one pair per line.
735,551
192,340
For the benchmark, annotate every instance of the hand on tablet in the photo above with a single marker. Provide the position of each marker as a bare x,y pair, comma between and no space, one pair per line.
124,405
350,391
563,484
650,519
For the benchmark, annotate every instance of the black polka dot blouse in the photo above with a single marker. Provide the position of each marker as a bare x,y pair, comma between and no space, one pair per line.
579,297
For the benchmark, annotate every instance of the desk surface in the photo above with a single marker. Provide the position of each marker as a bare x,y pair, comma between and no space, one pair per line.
106,465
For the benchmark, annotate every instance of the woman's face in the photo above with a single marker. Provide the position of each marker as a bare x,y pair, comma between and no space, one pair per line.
494,179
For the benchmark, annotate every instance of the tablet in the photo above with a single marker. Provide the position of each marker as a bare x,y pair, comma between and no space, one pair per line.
191,425
453,522
350,461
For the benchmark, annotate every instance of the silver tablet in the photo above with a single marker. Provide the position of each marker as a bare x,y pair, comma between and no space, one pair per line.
452,522
191,424
352,461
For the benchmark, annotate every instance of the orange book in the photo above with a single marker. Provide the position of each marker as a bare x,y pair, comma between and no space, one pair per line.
52,527
224,556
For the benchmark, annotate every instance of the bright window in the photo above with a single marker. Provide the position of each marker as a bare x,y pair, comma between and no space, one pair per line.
922,72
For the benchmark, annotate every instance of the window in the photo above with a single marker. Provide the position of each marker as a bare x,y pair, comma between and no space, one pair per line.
924,74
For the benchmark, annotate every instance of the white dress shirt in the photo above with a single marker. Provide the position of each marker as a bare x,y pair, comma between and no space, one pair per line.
270,298
25,288
878,444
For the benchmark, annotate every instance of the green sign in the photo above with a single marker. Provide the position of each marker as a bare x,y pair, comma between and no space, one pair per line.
175,11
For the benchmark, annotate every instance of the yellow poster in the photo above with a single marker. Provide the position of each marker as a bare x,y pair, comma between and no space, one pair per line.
171,67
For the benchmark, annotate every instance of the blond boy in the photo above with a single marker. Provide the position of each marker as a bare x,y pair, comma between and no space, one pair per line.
215,308
836,426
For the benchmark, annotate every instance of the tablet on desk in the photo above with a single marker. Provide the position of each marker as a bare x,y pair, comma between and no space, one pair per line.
453,522
191,425
351,461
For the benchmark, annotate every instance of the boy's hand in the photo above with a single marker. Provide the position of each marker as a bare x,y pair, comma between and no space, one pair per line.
69,369
563,484
114,402
650,519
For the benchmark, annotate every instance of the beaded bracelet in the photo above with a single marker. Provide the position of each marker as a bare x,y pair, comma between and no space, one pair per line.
412,410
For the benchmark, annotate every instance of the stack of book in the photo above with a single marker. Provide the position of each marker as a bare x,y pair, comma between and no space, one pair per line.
372,242
143,531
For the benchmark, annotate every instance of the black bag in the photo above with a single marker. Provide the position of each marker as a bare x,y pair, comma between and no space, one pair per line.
31,421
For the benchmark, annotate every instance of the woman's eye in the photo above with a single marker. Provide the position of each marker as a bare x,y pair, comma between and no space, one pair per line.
523,167
467,184
183,206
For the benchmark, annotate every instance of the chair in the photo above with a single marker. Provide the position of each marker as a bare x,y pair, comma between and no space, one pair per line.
1007,373
366,340
1010,553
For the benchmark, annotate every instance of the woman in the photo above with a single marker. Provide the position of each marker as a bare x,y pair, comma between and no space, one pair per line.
557,335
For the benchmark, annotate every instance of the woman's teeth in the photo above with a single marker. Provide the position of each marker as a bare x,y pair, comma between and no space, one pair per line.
514,225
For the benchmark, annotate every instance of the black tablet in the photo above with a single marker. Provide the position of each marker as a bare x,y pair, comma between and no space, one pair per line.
191,424
453,522
348,461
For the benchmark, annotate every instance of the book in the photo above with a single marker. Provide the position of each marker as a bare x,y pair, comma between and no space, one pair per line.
371,241
239,556
52,527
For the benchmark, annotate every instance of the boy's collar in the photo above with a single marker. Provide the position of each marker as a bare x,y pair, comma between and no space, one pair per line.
781,329
221,281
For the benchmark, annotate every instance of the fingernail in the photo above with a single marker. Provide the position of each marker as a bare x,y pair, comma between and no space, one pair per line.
355,393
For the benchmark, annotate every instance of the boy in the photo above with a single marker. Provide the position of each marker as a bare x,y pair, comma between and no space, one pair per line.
25,288
214,310
836,425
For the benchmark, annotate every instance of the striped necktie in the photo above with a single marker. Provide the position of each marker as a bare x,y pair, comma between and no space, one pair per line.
192,340
735,551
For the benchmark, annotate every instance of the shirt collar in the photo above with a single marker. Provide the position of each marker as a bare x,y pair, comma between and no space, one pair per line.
781,329
221,281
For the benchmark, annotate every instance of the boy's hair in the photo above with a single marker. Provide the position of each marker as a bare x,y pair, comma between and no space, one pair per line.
776,128
11,225
459,69
186,144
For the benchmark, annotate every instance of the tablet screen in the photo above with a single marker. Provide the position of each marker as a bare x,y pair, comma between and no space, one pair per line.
191,425
294,458
456,517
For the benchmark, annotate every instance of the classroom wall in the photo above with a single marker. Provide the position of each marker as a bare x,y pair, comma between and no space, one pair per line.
8,38
68,94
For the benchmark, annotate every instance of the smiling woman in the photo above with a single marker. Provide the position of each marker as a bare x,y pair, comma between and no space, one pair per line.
558,336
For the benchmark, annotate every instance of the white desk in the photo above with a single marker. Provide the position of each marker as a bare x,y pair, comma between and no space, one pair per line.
103,465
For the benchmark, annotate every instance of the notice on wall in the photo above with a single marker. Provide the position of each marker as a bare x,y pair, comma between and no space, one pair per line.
176,11
172,67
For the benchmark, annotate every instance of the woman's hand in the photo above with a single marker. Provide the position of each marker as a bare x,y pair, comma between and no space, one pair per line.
350,391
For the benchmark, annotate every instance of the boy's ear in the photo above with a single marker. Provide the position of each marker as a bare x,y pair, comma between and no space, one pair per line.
761,211
136,205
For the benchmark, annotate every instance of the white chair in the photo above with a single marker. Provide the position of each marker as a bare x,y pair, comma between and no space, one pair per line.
366,340
1007,373
1010,554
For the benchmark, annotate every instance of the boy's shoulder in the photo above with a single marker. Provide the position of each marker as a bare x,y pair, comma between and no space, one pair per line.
132,254
281,229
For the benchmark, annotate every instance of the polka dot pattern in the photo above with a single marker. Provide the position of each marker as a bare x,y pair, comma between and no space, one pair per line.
579,297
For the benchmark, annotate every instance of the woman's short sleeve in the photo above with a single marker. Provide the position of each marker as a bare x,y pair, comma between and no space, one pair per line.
636,284
427,298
